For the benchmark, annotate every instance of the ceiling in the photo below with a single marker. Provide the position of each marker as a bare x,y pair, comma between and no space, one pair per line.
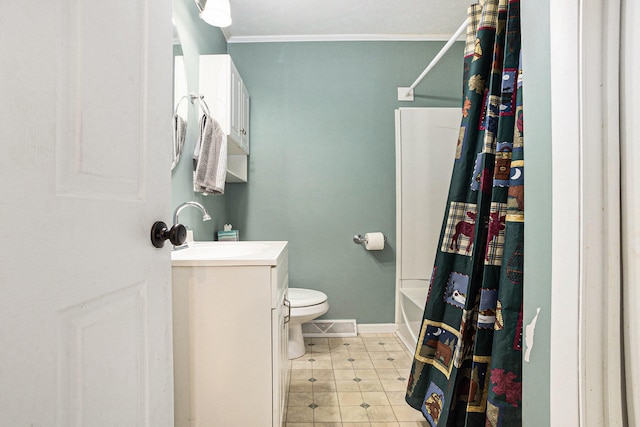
290,20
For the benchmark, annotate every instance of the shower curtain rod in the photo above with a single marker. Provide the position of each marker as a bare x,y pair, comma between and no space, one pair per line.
406,93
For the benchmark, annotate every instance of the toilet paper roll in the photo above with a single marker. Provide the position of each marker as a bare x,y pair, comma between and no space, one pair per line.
374,241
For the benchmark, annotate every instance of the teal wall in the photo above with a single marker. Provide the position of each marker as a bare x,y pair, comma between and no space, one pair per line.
197,38
322,163
537,228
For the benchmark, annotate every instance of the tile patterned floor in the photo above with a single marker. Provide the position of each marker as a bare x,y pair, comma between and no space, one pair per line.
351,382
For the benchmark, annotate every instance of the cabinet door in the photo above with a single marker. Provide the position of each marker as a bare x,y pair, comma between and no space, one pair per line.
244,128
236,106
280,359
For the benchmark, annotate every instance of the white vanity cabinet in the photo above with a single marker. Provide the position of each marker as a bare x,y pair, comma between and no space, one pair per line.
228,99
230,340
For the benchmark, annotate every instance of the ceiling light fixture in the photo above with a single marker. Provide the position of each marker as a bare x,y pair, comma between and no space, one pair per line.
215,12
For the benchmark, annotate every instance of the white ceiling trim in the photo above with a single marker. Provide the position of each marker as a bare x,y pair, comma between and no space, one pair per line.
339,38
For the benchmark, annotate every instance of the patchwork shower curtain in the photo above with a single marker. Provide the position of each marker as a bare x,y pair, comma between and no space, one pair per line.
467,364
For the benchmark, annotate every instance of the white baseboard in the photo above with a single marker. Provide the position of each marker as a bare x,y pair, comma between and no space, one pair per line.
377,328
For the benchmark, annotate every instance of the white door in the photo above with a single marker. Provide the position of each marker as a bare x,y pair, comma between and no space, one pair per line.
85,306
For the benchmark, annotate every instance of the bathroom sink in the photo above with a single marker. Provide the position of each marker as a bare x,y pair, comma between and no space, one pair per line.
223,249
227,253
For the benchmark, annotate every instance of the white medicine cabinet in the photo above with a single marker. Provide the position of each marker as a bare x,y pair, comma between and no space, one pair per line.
228,101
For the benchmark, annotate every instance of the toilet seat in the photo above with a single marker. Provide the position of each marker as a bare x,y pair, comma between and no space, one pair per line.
305,297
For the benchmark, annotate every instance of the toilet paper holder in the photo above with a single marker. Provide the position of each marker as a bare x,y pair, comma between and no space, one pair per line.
360,239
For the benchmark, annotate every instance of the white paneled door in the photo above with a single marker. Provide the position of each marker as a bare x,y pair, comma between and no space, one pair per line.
85,302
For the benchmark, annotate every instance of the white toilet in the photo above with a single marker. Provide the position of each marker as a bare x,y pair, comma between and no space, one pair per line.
306,305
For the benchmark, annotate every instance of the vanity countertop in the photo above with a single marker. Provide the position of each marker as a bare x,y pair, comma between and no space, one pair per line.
220,254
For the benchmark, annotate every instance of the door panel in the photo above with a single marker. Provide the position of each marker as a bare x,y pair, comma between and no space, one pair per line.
86,307
89,353
86,72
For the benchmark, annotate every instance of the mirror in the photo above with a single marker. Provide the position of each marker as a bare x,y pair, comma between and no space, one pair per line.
180,99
